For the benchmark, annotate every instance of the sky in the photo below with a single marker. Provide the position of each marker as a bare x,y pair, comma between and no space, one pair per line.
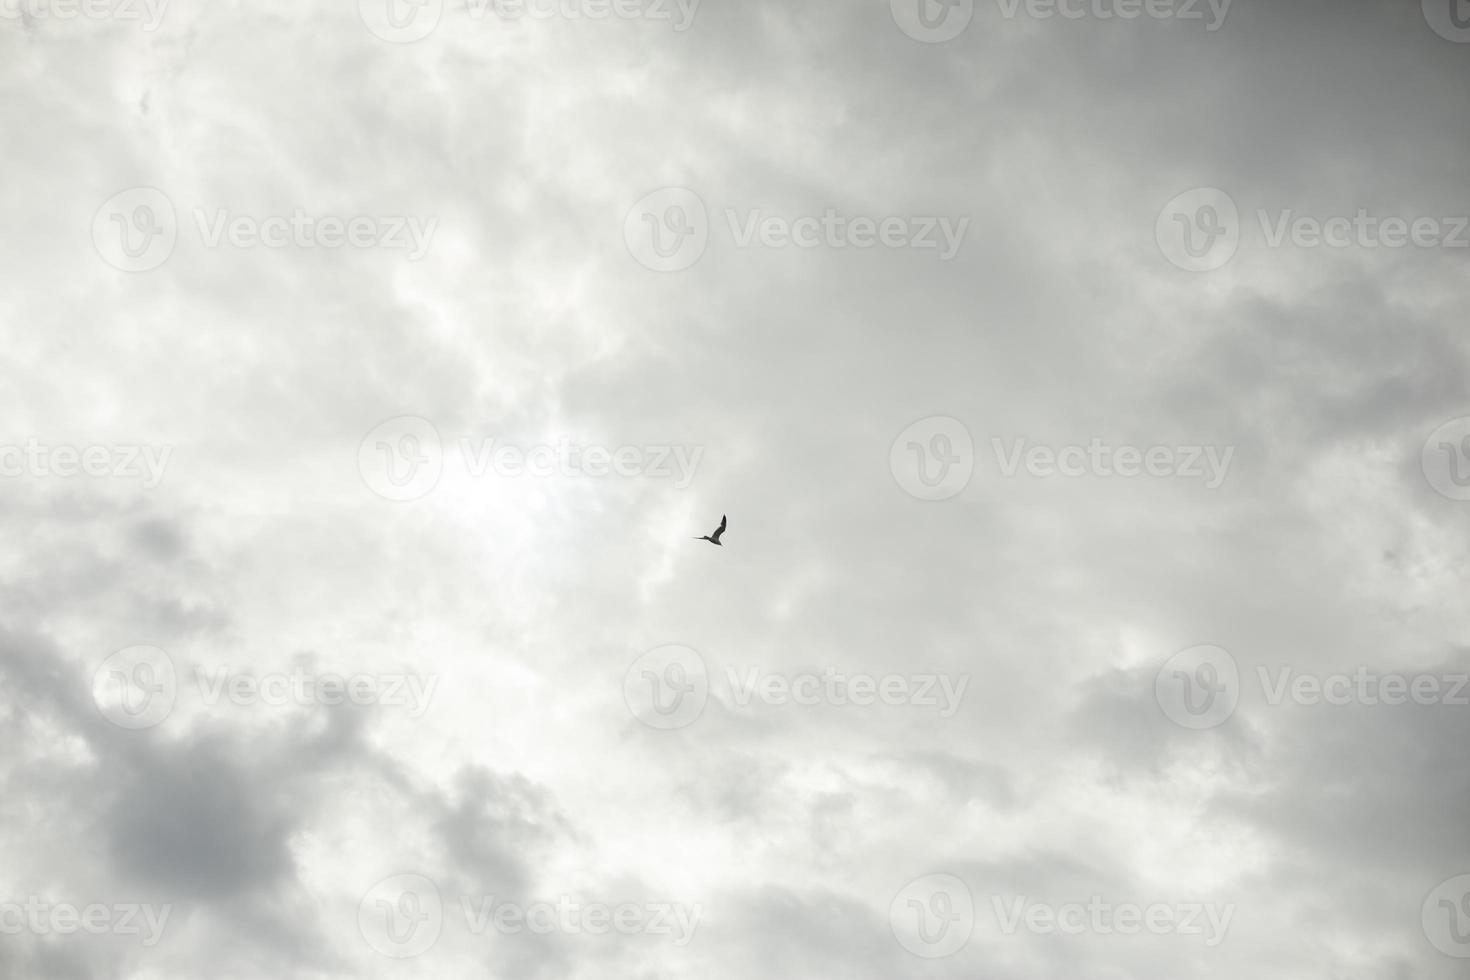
1083,383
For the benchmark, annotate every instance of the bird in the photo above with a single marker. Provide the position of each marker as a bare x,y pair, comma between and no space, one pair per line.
715,538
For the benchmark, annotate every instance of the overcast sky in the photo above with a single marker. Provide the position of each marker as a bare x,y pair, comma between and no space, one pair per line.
1085,383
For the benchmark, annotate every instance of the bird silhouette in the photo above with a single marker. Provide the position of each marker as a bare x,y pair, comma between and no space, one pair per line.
715,538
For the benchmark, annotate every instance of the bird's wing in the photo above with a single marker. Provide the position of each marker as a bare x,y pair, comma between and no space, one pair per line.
722,524
719,530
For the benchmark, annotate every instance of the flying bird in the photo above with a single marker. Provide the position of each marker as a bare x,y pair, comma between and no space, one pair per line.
715,538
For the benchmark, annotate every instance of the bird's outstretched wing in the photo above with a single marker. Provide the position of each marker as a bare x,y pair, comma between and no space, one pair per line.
719,530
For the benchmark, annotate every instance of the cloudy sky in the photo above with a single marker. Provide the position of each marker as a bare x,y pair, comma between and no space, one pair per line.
1085,384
